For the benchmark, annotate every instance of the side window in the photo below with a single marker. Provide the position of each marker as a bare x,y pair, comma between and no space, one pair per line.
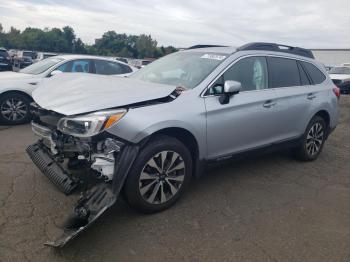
303,76
64,68
316,75
75,66
251,72
126,69
283,72
111,68
80,66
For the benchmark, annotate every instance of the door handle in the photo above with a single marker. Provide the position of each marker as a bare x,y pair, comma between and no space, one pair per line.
269,103
311,96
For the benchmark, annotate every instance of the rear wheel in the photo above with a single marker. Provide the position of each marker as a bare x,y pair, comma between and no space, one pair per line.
313,140
14,109
159,175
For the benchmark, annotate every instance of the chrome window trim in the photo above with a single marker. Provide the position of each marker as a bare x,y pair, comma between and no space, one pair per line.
257,55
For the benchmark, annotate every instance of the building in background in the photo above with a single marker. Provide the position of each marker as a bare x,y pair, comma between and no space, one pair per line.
332,57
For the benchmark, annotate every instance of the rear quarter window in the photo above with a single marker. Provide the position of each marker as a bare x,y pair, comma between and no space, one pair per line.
126,69
315,74
304,79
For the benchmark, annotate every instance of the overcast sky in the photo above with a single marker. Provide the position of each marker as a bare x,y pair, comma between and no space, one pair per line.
309,23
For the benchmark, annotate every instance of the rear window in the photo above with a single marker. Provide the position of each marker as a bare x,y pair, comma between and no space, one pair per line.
316,75
283,72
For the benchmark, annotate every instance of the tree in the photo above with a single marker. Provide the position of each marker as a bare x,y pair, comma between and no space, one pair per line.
65,41
79,47
146,46
69,36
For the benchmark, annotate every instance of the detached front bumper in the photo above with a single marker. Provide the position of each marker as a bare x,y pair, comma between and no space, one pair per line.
51,169
93,202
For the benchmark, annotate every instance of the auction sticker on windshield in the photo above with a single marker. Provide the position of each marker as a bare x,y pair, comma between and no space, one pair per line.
213,56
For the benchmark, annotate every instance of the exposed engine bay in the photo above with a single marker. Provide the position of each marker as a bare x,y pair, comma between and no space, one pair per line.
94,166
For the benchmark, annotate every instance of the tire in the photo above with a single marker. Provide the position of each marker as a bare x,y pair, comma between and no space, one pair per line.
148,177
312,140
14,109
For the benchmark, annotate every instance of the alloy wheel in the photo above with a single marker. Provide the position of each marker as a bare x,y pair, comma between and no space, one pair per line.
162,177
14,109
314,139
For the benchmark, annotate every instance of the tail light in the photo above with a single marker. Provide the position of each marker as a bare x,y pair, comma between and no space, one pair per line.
336,91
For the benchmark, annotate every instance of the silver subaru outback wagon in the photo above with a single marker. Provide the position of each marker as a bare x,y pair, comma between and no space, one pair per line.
146,135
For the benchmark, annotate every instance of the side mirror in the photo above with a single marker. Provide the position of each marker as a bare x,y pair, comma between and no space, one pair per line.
230,88
55,72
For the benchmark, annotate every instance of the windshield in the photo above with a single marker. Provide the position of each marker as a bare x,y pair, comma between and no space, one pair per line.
186,69
41,66
340,70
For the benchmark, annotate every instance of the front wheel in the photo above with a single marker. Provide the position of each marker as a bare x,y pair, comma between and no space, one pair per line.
159,175
14,109
312,140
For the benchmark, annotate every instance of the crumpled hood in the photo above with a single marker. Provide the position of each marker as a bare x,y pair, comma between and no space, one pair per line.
78,93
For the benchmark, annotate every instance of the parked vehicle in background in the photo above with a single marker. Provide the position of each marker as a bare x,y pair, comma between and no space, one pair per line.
328,67
148,134
139,63
340,76
12,53
145,62
24,58
16,87
122,59
5,60
43,55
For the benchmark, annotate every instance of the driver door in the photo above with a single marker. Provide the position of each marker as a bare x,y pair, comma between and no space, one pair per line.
247,121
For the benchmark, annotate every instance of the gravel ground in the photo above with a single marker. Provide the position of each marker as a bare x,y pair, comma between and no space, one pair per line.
271,208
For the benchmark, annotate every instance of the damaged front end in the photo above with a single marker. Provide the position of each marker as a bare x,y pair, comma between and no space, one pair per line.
96,164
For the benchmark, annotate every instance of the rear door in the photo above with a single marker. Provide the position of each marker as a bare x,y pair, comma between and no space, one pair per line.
247,121
294,93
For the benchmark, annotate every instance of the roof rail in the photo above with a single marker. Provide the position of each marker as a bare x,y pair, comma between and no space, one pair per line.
278,48
205,46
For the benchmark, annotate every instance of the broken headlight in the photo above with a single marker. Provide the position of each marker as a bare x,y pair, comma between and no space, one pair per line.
90,124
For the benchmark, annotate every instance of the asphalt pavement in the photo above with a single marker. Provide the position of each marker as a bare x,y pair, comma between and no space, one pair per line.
270,208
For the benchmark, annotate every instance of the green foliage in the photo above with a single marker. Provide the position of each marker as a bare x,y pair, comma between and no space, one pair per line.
65,41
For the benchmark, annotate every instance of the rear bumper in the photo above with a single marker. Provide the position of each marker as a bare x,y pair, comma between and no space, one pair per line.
51,169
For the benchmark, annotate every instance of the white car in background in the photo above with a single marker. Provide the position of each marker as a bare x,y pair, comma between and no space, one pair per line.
340,76
16,87
43,55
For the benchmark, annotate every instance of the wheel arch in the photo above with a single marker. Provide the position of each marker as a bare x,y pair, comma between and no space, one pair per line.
189,140
17,92
326,117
